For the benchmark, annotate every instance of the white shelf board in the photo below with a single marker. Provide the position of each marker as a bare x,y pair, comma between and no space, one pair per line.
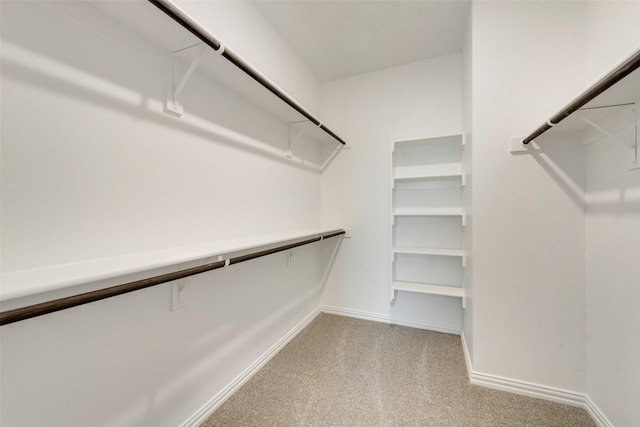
17,284
427,251
428,212
427,288
147,20
444,171
452,138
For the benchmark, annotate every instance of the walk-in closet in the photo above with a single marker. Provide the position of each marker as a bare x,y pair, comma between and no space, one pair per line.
319,213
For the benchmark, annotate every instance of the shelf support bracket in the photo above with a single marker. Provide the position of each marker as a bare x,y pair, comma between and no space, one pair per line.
603,130
635,159
173,91
291,141
335,152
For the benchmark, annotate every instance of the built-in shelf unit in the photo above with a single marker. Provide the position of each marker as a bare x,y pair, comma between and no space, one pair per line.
427,218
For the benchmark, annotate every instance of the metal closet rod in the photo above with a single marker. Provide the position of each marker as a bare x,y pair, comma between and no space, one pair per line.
40,309
183,19
617,74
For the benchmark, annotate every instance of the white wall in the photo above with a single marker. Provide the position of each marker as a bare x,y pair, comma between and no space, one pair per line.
92,167
528,284
612,234
467,198
371,110
612,33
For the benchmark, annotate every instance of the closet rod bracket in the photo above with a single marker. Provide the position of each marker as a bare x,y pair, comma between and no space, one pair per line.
173,106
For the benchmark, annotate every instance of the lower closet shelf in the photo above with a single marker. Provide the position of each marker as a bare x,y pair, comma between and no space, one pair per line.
426,288
24,283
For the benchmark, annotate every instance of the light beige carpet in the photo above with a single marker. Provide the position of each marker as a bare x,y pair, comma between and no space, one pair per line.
341,371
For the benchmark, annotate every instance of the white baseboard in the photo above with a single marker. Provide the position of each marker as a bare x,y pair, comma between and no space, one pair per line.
203,413
467,356
598,416
553,394
383,318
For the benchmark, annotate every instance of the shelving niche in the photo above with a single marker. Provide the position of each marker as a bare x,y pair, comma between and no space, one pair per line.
427,218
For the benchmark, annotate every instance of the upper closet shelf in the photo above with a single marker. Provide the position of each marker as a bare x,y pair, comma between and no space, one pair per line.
170,27
616,90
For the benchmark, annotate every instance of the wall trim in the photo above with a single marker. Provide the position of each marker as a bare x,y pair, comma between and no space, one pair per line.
467,357
205,411
384,318
553,394
598,416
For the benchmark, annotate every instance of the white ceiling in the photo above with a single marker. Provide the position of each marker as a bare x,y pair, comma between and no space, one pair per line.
339,39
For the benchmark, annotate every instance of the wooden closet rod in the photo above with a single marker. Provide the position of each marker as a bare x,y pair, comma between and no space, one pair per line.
194,28
617,74
40,309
